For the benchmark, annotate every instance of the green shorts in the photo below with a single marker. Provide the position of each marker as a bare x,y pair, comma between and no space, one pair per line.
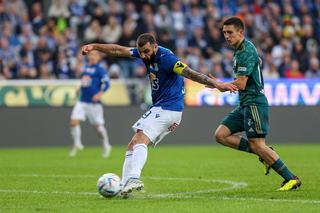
254,120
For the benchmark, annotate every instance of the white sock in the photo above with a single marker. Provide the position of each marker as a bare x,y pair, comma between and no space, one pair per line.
139,158
76,135
127,165
104,135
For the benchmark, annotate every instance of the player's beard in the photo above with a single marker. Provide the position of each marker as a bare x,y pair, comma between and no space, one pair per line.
150,60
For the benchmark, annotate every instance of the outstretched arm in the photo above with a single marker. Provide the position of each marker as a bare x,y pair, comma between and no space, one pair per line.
114,50
209,82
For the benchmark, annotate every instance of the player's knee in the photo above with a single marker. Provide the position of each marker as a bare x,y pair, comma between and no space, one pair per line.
255,148
219,136
74,123
132,143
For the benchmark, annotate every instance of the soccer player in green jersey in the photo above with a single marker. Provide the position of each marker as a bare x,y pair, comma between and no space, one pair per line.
252,114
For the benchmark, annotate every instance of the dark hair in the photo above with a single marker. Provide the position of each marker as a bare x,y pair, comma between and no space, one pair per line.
145,38
235,21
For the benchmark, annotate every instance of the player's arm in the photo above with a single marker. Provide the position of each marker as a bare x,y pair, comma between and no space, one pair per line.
240,82
189,73
113,50
105,84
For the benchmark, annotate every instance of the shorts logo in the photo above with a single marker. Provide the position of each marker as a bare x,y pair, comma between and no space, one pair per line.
250,130
173,127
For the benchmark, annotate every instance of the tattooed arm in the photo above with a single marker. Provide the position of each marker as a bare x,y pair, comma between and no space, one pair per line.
114,50
209,82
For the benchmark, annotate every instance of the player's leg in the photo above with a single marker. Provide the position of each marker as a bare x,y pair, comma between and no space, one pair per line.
95,116
257,127
272,158
77,115
150,129
231,124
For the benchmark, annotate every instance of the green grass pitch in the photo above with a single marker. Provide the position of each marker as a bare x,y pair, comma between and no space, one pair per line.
177,179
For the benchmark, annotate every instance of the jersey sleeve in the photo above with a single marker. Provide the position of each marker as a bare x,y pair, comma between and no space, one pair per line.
105,79
134,53
246,64
172,61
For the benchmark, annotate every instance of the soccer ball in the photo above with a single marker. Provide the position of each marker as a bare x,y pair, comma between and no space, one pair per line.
109,185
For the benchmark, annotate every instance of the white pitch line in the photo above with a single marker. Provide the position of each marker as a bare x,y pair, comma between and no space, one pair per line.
231,185
145,195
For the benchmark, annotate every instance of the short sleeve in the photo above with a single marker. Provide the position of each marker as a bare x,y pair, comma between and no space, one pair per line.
171,60
134,53
103,74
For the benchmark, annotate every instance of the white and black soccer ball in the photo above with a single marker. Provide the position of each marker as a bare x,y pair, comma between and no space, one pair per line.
109,185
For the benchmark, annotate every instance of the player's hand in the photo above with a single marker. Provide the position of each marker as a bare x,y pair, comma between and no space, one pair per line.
97,97
228,87
86,49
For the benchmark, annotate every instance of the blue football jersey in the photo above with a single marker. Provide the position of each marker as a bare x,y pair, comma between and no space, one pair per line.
167,86
93,78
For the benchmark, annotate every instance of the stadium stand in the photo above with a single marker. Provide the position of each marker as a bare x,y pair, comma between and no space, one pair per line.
41,39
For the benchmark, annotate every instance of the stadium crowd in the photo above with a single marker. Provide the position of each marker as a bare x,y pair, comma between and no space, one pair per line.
41,39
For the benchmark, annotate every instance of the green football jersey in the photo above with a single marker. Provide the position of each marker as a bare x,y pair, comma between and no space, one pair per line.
246,62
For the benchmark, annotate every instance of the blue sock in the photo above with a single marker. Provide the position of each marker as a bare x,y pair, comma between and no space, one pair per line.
282,169
244,145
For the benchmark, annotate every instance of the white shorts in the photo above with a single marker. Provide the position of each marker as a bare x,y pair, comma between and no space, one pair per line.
92,111
157,123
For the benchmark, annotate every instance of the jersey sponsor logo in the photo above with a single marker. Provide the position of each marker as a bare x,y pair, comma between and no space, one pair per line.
90,69
242,69
154,67
86,81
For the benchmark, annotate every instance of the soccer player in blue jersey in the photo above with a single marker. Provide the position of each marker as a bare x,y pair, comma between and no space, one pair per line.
94,82
166,74
252,114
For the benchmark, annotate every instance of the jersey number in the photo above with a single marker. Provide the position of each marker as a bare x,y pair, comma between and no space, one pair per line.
155,83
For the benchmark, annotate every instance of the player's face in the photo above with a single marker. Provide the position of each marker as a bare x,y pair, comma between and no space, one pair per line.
94,57
148,52
232,35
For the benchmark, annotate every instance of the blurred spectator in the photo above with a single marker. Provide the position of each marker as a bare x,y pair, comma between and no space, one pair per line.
293,71
58,9
4,15
112,31
93,32
37,17
162,19
9,59
314,69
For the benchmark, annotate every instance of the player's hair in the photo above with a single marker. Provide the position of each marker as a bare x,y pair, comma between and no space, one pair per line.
145,38
235,21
